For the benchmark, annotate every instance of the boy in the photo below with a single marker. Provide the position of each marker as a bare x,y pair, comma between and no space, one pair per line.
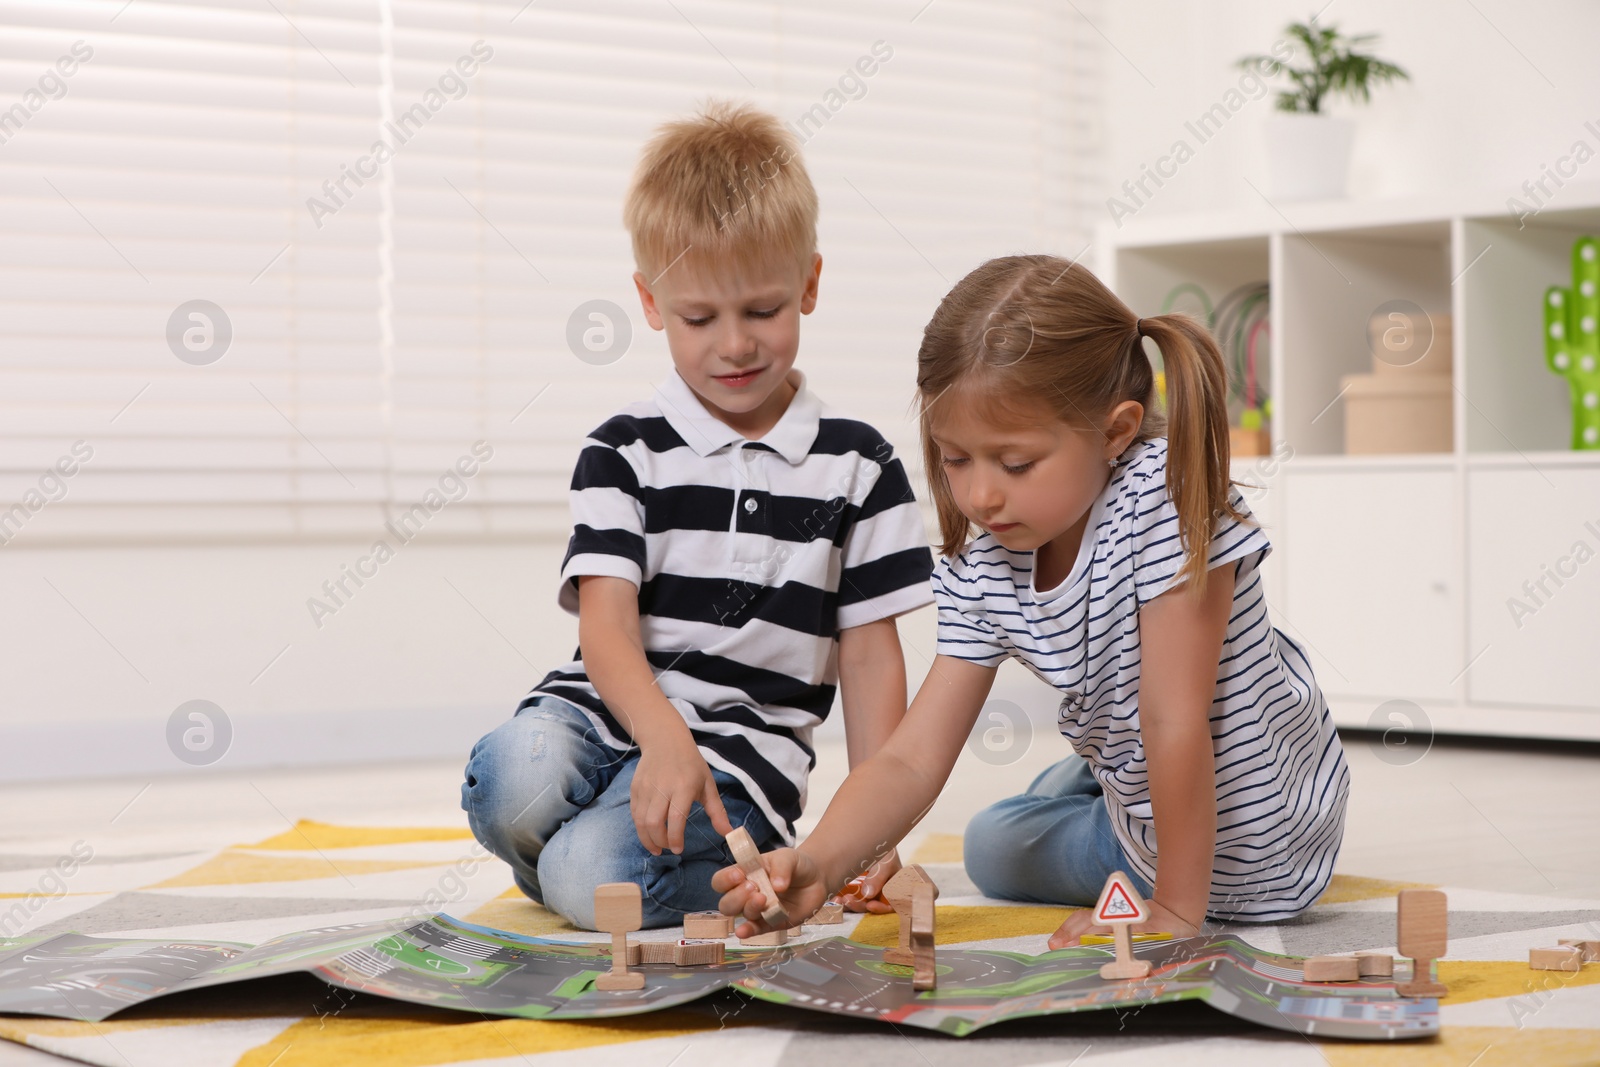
738,551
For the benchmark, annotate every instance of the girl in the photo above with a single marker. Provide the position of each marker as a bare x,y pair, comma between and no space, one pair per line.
1116,561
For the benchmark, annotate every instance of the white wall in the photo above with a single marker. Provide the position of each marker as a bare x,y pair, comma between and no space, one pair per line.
1492,96
103,645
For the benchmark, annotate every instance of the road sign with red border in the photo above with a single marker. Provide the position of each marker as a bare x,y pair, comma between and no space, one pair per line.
1120,902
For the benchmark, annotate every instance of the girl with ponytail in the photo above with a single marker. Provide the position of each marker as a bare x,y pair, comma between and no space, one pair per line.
1115,559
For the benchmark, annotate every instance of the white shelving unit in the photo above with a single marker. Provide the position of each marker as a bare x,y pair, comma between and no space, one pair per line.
1400,574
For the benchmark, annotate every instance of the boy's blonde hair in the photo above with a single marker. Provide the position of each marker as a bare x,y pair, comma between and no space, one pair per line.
725,187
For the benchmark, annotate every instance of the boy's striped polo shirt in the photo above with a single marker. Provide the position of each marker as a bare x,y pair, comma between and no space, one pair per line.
750,557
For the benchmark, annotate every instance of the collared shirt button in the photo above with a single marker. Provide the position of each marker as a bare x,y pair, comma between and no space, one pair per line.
750,504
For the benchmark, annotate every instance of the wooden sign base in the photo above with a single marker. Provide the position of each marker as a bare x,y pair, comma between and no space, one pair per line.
1125,965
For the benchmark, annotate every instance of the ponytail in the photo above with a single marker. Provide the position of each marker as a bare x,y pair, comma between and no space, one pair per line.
1197,435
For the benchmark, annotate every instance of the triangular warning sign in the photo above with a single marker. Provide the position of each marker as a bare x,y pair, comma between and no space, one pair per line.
1119,902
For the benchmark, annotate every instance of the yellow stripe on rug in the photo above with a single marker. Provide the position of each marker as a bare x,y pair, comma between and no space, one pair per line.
513,912
1472,1046
310,836
335,1042
939,848
1343,889
1347,888
959,923
1471,980
242,868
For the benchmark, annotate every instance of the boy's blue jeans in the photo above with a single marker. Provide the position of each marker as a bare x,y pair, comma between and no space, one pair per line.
1053,844
543,793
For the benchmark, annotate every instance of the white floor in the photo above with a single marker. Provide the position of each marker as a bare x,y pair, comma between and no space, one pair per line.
1473,816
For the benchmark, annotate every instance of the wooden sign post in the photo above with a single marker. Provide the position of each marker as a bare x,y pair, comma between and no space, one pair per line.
1119,907
1423,933
619,910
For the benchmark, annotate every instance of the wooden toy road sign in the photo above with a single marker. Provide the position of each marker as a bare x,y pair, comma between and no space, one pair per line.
1120,902
1120,906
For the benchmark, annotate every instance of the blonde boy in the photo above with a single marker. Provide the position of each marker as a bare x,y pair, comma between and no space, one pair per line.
739,551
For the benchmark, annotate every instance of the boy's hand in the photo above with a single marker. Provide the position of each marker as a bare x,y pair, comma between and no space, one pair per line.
794,876
1162,920
670,778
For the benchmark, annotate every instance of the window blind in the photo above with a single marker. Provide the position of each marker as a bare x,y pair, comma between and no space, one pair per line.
273,268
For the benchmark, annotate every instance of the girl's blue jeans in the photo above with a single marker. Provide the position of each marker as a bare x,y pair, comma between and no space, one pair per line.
543,793
1051,845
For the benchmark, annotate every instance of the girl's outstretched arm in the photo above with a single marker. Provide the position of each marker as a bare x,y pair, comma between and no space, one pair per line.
1180,637
872,695
878,804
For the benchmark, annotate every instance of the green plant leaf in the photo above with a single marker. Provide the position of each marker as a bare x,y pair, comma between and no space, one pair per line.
1338,65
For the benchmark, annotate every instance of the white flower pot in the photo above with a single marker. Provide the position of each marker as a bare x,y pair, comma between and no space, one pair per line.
1308,156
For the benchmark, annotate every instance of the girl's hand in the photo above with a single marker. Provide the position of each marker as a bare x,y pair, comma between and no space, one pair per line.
864,893
795,878
670,778
1162,920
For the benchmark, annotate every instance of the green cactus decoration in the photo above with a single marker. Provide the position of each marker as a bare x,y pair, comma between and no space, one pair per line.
1571,342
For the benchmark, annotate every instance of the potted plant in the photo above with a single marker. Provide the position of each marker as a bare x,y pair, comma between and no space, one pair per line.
1308,150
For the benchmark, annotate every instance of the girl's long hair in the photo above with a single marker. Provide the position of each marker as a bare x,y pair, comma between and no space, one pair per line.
1023,330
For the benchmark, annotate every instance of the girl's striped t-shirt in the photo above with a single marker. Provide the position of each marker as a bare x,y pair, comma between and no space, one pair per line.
1281,778
750,557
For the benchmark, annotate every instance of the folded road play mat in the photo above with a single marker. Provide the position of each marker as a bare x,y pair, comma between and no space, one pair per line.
445,963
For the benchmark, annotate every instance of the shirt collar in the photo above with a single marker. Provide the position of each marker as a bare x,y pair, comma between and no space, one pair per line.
791,437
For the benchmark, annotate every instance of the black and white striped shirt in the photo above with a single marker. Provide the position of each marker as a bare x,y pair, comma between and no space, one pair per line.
1281,777
750,557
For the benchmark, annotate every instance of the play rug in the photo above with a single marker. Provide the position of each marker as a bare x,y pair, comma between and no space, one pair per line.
318,876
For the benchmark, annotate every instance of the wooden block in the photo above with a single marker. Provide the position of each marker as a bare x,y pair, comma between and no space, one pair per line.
619,980
1588,948
830,914
1565,958
1331,969
699,953
748,858
658,952
633,953
618,906
1422,924
776,937
911,894
1374,965
708,924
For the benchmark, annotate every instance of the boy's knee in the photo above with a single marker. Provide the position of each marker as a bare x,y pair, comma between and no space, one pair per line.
525,777
603,846
575,863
